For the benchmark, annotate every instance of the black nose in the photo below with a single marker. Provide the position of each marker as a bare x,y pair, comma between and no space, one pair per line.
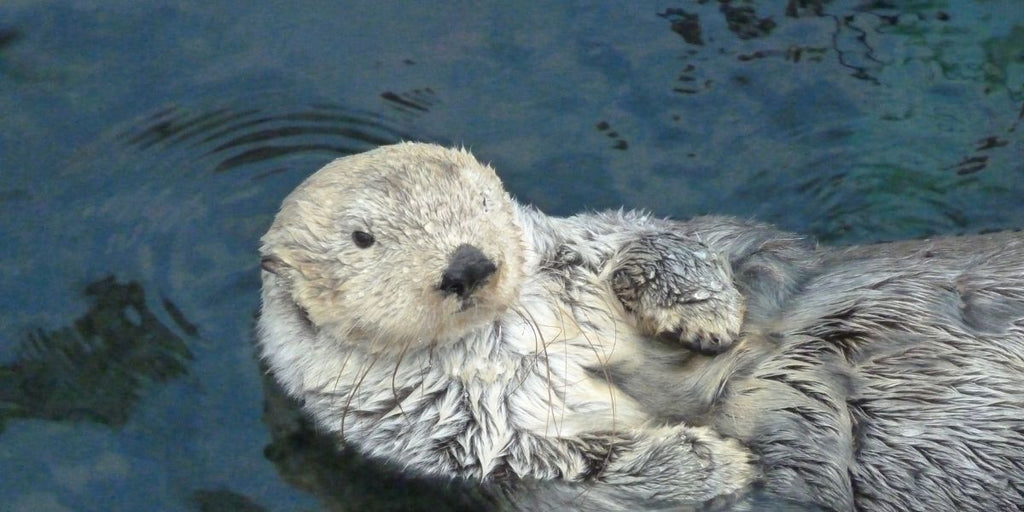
467,268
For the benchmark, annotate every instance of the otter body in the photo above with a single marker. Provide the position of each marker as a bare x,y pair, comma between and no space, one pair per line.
424,318
878,378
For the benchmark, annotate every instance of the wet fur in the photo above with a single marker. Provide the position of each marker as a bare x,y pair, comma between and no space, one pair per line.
882,378
678,289
878,378
511,386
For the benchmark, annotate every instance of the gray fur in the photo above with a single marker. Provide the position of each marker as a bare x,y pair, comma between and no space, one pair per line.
884,378
493,391
679,289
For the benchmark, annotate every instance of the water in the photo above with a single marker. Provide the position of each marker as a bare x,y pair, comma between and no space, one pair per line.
146,145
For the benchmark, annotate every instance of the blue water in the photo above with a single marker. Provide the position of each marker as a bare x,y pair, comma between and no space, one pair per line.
145,146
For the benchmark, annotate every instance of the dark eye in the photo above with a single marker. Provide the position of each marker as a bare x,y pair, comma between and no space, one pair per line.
362,239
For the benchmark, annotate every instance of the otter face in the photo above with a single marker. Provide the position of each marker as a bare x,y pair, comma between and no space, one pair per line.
410,243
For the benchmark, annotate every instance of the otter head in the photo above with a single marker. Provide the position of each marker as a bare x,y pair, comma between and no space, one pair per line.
405,244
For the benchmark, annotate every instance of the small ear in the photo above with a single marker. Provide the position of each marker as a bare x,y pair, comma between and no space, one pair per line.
271,264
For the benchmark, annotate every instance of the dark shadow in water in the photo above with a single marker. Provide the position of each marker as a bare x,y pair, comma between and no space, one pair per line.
9,35
744,22
414,102
620,143
97,368
848,39
223,500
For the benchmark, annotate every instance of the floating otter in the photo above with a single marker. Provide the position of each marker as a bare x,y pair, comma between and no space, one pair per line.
483,339
423,317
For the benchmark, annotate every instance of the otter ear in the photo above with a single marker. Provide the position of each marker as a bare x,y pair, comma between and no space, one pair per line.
272,263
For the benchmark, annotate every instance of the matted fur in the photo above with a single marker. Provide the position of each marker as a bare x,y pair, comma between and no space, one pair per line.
878,378
510,382
885,378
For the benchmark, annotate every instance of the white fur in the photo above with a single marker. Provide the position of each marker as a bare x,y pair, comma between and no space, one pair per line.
514,382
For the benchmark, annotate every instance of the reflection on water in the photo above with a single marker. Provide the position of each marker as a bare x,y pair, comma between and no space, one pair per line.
851,178
160,156
97,368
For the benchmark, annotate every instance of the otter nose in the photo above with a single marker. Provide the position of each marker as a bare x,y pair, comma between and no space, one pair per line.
467,268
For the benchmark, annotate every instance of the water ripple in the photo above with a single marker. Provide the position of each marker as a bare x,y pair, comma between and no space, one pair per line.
237,137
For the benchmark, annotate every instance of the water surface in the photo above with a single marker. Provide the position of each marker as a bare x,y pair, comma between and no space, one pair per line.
146,145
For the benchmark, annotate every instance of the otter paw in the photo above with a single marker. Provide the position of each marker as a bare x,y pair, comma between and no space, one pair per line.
679,290
680,463
703,342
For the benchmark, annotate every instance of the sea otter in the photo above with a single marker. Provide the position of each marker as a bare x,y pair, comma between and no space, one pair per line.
424,317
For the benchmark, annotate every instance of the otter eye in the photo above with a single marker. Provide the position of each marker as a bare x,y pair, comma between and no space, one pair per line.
362,239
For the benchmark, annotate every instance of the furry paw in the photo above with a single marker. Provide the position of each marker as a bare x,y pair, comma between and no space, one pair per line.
680,290
680,463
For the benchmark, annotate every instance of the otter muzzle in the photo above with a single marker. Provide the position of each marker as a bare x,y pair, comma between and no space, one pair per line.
467,269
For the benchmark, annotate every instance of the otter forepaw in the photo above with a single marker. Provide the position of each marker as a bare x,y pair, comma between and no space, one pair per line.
680,463
679,290
703,342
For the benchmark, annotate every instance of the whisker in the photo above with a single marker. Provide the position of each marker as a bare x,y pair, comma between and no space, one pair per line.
565,362
355,388
530,320
337,382
603,363
603,355
558,337
394,378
